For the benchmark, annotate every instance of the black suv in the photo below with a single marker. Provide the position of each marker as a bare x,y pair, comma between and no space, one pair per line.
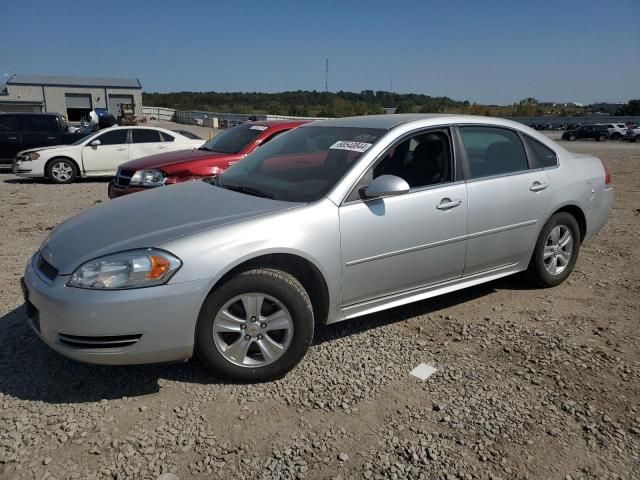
597,132
20,131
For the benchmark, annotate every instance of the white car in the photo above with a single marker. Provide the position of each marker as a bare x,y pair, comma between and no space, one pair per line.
616,130
99,154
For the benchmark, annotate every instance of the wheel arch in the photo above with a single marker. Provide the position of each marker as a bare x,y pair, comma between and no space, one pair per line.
303,269
61,157
577,213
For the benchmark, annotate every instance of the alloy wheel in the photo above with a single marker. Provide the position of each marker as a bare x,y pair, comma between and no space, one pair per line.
61,171
252,330
558,248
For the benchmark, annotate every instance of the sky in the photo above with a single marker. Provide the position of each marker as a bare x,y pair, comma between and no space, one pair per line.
488,51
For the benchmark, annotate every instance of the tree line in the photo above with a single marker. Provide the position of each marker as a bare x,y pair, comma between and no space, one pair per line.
305,103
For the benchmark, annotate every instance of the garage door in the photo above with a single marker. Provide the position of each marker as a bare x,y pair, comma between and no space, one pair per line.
78,106
78,100
116,100
19,108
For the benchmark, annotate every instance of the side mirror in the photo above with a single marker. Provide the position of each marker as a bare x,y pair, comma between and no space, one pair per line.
385,186
95,143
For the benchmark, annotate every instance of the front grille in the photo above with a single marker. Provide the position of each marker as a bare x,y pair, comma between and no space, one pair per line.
46,268
103,341
123,177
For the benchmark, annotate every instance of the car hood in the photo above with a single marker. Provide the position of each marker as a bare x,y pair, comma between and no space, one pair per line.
170,158
43,149
149,219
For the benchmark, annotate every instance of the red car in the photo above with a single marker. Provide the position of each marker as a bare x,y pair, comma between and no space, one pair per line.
212,158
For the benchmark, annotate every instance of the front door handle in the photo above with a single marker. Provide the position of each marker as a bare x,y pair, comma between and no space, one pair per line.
160,147
538,186
447,204
121,149
12,138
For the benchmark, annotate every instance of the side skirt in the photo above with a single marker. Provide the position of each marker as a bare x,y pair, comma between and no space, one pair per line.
422,293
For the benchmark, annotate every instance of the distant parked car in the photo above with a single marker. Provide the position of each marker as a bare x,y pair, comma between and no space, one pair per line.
615,130
596,132
19,131
99,154
331,221
632,134
212,158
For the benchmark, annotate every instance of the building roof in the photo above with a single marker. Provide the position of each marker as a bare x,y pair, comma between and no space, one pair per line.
60,81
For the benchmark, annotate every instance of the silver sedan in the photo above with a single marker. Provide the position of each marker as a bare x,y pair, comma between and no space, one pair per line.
328,222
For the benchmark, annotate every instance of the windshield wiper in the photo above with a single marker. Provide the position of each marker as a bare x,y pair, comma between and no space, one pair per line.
242,189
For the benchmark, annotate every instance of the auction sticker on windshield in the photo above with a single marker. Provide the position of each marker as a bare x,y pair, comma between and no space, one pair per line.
351,146
258,127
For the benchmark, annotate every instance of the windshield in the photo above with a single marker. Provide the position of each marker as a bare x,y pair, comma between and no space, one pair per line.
234,139
85,136
301,166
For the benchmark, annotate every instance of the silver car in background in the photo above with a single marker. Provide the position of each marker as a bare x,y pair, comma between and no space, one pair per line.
328,222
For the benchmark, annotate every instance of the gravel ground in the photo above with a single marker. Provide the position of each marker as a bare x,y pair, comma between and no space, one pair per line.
530,383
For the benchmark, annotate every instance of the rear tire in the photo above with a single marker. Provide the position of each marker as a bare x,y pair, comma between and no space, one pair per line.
602,138
255,327
61,171
616,136
556,251
572,138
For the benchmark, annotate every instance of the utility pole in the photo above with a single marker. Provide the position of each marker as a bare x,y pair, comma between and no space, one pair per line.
326,76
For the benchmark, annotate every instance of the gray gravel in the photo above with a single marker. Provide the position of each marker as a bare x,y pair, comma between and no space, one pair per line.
530,383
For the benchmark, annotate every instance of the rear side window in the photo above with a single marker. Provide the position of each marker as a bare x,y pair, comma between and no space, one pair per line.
166,137
493,151
40,123
9,123
543,155
115,137
142,135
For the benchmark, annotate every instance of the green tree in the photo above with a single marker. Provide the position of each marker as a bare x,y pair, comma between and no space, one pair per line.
631,108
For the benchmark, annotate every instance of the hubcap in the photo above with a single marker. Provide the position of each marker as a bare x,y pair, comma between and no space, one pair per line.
252,330
61,171
558,249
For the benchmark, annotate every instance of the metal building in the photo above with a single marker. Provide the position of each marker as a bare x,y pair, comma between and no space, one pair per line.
73,97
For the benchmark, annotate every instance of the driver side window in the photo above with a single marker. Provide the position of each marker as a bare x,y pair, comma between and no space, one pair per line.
114,137
422,160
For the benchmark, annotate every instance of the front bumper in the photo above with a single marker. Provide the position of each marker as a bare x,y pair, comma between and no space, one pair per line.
118,327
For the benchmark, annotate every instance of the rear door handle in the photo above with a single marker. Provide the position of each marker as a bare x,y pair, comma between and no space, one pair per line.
12,138
51,138
447,204
120,149
538,186
160,147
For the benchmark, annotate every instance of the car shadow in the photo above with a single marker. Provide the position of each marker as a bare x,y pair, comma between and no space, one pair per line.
44,181
30,370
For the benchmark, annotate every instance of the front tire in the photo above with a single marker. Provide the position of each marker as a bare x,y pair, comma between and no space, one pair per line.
61,171
255,327
572,137
602,138
556,251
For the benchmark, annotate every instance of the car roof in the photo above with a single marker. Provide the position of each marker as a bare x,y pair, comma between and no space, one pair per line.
277,123
389,121
51,114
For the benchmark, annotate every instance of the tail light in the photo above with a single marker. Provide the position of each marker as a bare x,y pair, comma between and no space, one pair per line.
607,175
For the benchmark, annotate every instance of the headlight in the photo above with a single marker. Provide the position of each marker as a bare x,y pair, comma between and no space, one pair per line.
31,156
132,269
148,178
